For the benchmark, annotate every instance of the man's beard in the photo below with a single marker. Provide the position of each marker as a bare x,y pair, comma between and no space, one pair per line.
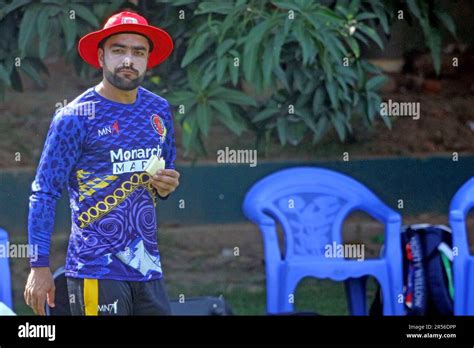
122,83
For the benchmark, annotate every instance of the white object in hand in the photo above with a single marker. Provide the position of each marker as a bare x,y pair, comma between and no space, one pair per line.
154,165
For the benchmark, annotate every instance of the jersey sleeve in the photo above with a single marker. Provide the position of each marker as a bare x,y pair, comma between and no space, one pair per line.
60,154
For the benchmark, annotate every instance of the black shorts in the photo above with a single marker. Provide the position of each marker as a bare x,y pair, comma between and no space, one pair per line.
116,297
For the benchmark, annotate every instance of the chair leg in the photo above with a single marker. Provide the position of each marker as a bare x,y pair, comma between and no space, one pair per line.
287,295
468,289
272,297
356,295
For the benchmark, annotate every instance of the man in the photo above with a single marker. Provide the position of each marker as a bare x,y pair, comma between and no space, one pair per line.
98,147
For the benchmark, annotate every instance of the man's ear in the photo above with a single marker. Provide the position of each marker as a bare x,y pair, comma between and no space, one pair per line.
100,55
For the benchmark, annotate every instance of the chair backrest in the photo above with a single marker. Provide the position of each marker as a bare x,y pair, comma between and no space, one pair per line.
462,202
310,204
5,277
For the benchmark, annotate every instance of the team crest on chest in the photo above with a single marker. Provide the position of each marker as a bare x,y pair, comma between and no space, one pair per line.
159,126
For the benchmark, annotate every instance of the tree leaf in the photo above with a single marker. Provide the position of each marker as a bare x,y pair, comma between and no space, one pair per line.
84,13
413,6
224,47
214,7
27,28
329,16
252,48
70,29
306,117
234,71
371,109
381,14
203,118
318,100
196,48
286,5
4,76
281,128
182,97
372,34
434,43
296,132
221,67
447,21
376,82
306,43
321,129
278,71
354,45
366,15
208,76
265,114
354,7
267,64
189,134
44,28
339,126
278,41
232,96
12,7
27,67
224,113
332,92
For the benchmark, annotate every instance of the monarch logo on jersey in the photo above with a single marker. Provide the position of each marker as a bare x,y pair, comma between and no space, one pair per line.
159,126
113,129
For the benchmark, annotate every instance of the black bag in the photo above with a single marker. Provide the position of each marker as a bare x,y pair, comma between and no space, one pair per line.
427,271
201,306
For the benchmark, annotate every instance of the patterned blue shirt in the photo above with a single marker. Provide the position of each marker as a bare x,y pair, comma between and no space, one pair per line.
98,148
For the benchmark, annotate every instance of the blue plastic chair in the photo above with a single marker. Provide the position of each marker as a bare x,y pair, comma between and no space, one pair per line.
311,204
5,280
463,264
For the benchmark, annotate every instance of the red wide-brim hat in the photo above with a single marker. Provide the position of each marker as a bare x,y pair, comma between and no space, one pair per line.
127,22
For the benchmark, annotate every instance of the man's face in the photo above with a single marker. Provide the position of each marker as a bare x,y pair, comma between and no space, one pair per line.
124,60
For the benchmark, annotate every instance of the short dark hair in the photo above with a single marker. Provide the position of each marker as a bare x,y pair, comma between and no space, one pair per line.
102,42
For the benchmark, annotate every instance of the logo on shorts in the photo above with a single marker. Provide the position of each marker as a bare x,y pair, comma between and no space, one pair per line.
158,125
109,308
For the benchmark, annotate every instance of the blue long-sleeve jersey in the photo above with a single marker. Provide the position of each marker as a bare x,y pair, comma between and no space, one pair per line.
98,149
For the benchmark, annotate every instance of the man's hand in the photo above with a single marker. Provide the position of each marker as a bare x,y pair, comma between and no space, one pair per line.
39,287
165,181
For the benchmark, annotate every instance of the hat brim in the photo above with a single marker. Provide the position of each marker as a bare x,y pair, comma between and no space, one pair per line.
162,43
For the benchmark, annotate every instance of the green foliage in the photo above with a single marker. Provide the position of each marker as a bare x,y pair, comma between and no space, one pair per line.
299,60
286,69
31,30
